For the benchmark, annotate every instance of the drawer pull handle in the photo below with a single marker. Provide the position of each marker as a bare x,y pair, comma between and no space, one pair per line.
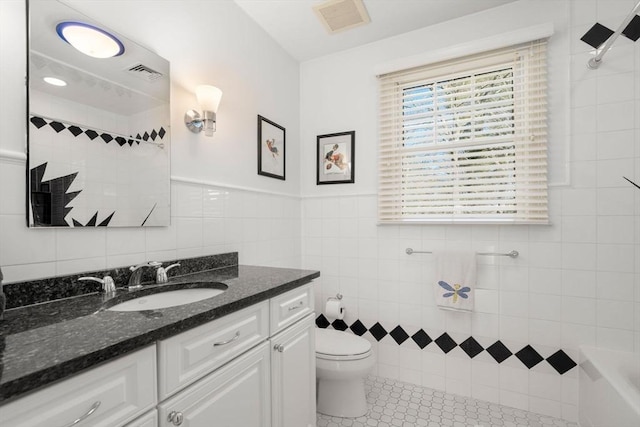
91,410
295,307
235,337
175,418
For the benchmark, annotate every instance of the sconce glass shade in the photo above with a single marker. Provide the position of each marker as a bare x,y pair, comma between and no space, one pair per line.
90,40
208,97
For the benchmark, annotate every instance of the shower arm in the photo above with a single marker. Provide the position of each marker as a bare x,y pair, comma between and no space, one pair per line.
595,62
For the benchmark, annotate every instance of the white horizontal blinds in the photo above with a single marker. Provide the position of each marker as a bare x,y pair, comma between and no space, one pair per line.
465,140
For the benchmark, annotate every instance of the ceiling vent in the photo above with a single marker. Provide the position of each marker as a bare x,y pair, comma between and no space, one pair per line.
340,15
145,73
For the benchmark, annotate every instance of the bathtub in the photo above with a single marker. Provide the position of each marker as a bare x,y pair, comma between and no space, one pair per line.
609,388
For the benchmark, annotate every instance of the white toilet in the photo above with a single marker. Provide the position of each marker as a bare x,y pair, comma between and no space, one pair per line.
343,360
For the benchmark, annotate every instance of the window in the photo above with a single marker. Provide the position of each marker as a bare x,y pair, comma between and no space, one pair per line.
465,140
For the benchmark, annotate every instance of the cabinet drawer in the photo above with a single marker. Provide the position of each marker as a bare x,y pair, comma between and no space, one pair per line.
290,307
184,358
107,396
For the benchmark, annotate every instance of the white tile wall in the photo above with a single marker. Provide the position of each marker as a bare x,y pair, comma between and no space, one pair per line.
576,282
264,228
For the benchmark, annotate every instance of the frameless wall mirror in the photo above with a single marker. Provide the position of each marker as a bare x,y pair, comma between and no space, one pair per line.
98,125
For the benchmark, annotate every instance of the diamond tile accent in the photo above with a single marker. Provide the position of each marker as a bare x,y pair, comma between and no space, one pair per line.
421,338
529,356
75,130
499,351
340,325
322,322
445,342
57,126
561,362
597,35
358,328
399,335
632,31
377,331
471,347
38,121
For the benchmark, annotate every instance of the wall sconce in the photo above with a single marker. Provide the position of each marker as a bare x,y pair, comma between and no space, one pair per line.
209,99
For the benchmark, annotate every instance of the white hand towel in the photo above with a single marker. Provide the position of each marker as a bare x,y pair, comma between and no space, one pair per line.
455,280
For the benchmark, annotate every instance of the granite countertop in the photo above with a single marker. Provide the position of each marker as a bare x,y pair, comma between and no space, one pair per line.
43,343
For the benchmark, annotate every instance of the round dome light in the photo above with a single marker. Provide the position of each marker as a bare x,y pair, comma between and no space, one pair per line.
54,81
90,40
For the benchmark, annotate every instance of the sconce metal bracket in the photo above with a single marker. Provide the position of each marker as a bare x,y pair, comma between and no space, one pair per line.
193,121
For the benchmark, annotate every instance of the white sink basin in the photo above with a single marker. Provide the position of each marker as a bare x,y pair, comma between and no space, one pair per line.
166,299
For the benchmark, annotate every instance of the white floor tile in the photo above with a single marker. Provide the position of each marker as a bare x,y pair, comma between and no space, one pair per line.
394,403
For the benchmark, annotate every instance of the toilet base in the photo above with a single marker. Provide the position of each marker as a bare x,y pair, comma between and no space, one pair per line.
340,398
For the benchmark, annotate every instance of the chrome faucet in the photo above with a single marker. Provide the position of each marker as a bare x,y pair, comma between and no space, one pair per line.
136,273
161,273
108,285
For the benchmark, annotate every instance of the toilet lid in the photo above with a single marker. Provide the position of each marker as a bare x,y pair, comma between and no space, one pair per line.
336,343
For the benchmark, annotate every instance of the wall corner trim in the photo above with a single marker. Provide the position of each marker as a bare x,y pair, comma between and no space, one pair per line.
10,156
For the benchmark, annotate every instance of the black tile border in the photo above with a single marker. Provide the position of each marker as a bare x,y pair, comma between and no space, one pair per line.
58,126
527,355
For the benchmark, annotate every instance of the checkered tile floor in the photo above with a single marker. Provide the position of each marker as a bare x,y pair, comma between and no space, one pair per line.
396,404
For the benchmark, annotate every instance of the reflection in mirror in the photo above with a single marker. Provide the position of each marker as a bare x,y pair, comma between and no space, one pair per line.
98,130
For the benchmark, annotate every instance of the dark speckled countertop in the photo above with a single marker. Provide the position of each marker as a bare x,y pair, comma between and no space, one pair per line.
43,343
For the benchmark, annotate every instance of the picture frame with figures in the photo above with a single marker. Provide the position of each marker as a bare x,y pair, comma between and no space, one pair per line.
271,149
336,158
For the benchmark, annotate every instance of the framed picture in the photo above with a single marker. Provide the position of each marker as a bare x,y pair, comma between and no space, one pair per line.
271,149
336,158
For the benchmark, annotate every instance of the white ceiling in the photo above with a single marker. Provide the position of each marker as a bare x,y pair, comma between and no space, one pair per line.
294,25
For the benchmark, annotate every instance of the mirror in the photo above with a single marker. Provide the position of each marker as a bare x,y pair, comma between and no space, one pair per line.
98,146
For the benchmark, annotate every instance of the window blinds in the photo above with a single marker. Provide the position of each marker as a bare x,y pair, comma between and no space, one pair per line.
465,140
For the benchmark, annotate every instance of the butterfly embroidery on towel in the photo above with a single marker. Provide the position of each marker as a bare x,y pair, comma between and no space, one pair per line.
455,291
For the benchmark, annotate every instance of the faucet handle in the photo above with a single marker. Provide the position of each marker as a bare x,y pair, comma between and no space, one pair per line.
108,285
145,264
161,273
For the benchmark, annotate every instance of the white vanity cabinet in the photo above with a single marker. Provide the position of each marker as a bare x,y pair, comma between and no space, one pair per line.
251,368
109,395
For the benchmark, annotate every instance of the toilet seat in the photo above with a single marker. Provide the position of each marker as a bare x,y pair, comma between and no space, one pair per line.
337,345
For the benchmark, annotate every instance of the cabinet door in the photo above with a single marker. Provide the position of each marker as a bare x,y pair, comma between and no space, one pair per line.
293,375
150,419
236,395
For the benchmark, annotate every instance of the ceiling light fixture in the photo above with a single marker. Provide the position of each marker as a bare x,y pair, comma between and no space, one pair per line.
209,99
54,81
90,40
